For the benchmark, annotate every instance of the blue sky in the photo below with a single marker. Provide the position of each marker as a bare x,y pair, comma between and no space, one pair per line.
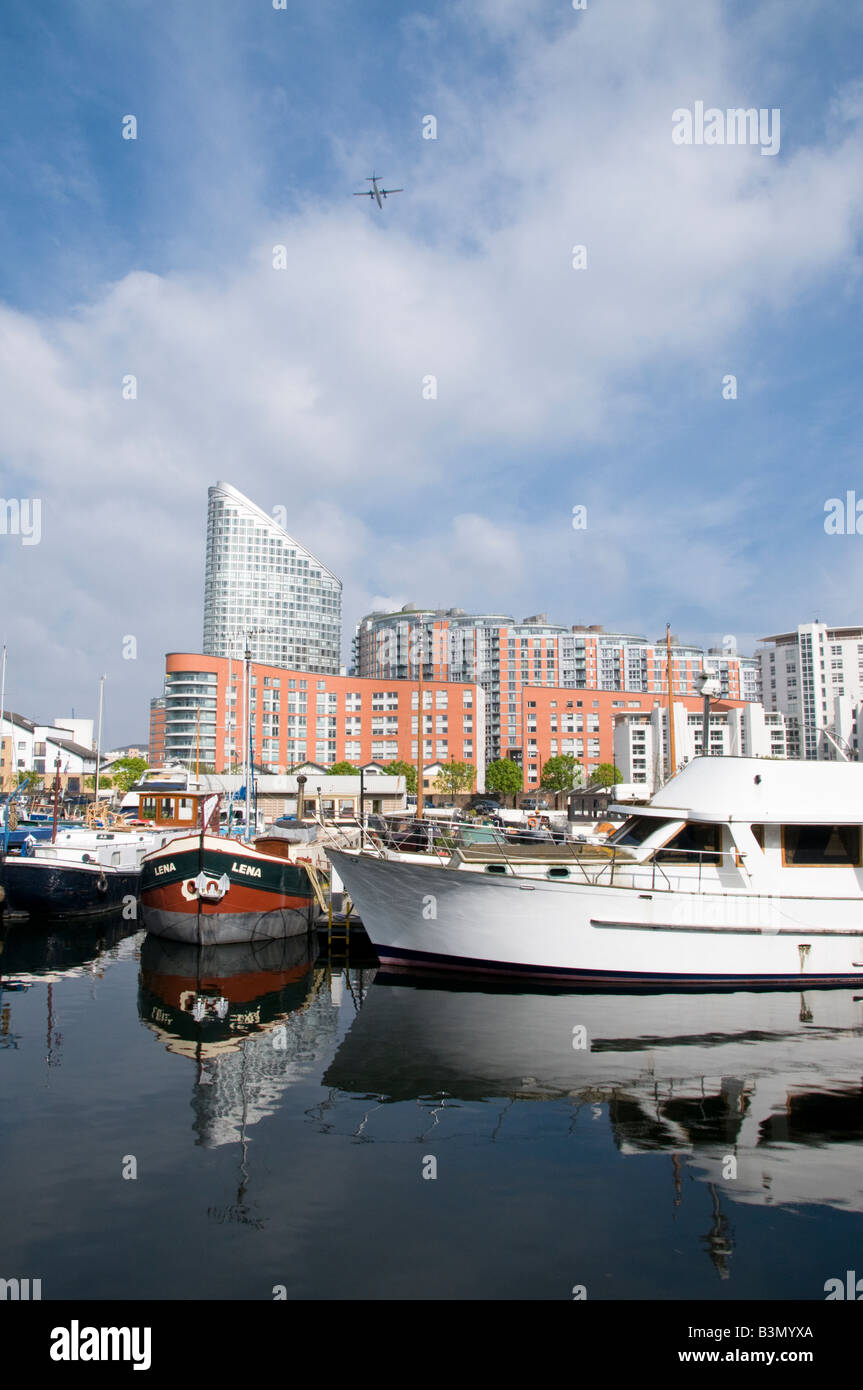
303,387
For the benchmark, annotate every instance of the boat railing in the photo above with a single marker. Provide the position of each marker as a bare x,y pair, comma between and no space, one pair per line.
651,872
617,866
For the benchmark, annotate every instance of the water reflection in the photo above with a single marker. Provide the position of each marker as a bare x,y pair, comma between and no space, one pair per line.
33,953
253,1018
759,1095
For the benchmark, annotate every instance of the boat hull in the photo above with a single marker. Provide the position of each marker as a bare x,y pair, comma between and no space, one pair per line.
37,888
422,916
256,897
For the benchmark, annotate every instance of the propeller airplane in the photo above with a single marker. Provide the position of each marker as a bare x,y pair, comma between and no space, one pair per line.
375,192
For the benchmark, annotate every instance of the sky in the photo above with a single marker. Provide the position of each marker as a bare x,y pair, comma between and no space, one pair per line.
431,388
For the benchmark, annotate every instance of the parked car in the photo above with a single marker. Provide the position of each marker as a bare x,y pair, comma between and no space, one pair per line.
488,807
534,803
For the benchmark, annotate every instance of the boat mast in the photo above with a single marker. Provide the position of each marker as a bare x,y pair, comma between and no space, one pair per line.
672,753
247,715
420,656
56,816
99,738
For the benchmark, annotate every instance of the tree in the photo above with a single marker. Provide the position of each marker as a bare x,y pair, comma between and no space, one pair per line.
606,775
90,783
406,770
455,777
124,773
505,778
344,770
560,774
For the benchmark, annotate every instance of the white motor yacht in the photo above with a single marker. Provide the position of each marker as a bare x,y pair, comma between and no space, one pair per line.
739,871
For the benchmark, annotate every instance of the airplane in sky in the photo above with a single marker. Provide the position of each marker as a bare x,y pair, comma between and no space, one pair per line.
375,192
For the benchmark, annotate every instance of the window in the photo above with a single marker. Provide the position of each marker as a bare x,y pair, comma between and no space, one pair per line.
695,843
821,845
636,830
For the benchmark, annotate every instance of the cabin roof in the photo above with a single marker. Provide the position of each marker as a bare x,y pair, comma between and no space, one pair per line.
761,790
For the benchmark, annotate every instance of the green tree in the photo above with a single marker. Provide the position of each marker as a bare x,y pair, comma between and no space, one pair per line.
125,772
455,777
344,770
406,770
560,774
505,778
605,775
90,783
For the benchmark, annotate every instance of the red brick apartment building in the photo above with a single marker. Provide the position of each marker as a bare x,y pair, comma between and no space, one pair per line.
558,720
299,716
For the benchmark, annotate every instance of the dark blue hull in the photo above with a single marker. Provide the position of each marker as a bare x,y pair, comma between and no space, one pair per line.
35,888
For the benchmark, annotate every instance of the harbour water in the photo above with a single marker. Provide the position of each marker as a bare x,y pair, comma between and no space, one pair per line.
242,1126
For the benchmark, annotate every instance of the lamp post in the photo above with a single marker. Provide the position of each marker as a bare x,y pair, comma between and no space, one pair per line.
708,688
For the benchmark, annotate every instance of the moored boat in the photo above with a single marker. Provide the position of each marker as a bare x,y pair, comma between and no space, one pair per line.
39,887
739,871
77,872
210,890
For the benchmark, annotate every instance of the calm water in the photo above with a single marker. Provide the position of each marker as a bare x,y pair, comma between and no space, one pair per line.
643,1146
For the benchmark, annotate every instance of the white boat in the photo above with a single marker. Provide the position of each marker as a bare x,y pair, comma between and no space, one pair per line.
739,871
80,873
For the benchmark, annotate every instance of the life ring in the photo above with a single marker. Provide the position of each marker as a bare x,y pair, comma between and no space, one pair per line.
101,883
532,823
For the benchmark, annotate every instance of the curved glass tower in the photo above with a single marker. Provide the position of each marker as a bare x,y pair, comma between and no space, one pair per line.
261,581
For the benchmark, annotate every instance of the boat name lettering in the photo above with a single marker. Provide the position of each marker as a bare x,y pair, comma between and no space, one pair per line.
164,868
251,869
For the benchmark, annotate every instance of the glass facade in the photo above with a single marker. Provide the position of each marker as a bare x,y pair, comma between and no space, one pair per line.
259,580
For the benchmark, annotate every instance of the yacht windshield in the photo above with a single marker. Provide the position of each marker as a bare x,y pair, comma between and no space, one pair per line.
636,830
696,841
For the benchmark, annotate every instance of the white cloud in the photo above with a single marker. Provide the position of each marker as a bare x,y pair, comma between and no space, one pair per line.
303,386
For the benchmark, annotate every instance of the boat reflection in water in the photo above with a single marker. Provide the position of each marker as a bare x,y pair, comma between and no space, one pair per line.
39,953
43,953
757,1094
252,1017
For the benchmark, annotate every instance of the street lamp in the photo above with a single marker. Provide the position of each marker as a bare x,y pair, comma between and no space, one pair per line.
708,688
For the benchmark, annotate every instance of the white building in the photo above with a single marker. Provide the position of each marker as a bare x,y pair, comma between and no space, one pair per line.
259,580
814,677
29,747
76,760
641,739
16,748
79,730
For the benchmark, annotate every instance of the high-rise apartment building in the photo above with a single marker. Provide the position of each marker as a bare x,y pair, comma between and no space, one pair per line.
260,581
814,676
505,657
